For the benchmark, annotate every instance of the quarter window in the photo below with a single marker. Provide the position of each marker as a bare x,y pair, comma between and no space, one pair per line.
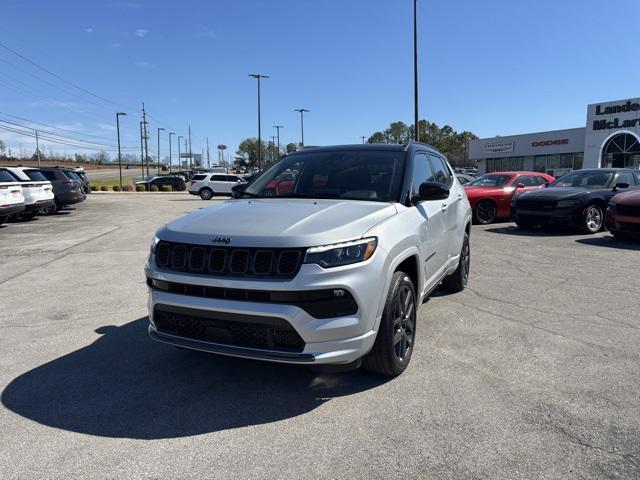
441,173
527,181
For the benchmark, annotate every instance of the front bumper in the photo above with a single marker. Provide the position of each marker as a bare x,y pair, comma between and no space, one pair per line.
335,340
565,216
627,224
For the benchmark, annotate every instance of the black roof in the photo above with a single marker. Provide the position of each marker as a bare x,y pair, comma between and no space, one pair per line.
389,147
609,170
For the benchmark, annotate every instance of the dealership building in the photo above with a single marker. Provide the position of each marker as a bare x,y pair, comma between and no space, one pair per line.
611,138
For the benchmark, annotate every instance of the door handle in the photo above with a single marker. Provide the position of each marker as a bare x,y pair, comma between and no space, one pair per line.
459,195
444,206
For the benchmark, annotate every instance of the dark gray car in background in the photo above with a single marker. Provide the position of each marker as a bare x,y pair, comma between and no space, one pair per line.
67,187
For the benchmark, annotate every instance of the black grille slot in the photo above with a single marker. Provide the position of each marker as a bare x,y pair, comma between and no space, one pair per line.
163,250
196,258
239,261
630,210
229,261
288,262
275,334
263,262
216,261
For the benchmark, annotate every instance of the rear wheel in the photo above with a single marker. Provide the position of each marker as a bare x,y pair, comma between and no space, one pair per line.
457,281
50,210
593,219
485,212
206,193
394,343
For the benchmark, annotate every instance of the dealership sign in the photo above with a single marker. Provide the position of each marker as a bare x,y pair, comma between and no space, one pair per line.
498,147
548,143
628,107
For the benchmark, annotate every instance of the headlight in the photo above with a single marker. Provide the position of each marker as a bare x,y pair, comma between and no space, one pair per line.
328,256
569,203
154,242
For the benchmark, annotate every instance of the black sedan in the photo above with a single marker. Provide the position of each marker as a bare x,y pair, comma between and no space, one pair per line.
578,198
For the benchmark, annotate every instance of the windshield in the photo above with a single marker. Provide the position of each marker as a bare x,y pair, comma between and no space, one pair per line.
584,179
489,181
345,174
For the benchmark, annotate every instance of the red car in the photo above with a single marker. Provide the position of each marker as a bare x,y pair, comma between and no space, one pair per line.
490,195
623,215
281,185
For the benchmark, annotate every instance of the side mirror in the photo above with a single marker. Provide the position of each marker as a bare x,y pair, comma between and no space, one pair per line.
621,185
237,190
519,185
546,184
433,191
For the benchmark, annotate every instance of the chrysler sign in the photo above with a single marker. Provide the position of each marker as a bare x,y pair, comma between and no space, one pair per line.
498,147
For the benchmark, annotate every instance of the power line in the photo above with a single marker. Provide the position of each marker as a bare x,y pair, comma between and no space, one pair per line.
56,141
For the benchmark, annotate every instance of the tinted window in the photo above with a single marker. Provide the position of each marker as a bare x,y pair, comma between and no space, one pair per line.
71,175
218,178
49,175
35,175
421,172
231,178
625,177
441,173
5,176
490,181
592,179
526,180
199,177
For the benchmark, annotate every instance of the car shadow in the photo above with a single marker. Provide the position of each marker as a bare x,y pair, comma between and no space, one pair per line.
610,242
534,232
126,385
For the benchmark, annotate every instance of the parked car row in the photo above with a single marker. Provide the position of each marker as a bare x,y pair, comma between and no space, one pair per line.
590,199
26,192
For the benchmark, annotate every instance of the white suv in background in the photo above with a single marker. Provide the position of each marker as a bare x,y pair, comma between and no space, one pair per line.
36,189
209,184
329,270
11,198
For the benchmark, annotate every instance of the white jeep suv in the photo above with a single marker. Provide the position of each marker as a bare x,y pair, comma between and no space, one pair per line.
329,270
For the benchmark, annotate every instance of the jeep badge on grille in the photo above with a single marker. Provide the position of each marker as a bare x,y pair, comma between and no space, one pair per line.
225,240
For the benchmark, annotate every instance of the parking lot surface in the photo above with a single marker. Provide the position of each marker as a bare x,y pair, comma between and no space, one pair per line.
532,372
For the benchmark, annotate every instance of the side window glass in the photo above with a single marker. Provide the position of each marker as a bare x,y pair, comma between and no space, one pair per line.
441,173
625,177
218,178
526,180
421,172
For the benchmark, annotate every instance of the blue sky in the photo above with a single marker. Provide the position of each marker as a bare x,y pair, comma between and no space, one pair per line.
491,67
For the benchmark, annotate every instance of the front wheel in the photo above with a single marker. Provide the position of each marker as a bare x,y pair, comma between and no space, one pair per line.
394,343
593,219
457,281
206,194
486,212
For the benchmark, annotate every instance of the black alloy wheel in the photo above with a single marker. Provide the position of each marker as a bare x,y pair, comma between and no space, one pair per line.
486,212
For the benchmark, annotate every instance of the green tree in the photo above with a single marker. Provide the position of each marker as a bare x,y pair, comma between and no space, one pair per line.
292,147
247,153
377,137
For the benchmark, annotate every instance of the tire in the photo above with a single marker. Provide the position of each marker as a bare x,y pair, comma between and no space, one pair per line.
206,193
3,219
485,212
457,281
28,216
593,219
50,210
391,352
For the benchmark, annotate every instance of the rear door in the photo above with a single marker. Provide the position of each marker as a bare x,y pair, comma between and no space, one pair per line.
219,183
451,207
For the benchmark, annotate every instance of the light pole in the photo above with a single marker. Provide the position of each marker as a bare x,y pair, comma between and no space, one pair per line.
278,127
170,133
415,71
258,76
119,153
159,128
363,137
179,155
141,150
301,110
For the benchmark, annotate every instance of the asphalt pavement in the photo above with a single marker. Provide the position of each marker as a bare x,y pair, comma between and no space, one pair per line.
532,372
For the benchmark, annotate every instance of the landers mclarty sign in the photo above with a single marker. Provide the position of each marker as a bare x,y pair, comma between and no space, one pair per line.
627,107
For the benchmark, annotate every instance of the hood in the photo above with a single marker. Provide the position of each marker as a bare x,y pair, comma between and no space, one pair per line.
555,193
482,191
628,198
278,222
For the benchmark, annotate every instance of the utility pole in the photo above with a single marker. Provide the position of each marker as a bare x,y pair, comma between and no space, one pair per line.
273,148
190,153
119,153
179,155
302,111
170,133
278,127
159,128
146,137
258,76
415,71
38,148
208,158
141,150
363,137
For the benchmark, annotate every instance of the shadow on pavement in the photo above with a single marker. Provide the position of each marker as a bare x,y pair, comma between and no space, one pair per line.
126,385
534,232
610,242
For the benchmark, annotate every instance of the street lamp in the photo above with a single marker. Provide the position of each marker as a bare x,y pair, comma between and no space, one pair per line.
278,127
179,155
141,149
415,71
363,137
301,110
159,128
119,153
170,133
258,76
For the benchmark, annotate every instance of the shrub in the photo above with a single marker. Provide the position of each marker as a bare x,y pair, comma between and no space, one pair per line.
127,188
167,188
140,188
154,188
104,188
116,188
94,188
